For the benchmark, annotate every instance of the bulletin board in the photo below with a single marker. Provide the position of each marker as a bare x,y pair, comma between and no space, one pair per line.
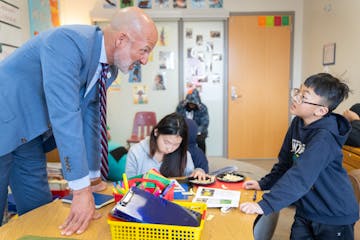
10,27
204,44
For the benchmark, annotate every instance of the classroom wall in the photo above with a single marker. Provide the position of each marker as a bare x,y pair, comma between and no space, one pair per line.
78,12
328,21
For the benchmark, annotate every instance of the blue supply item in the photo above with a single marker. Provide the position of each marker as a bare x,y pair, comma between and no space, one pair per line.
141,206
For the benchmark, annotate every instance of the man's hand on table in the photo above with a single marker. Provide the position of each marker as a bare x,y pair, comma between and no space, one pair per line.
81,213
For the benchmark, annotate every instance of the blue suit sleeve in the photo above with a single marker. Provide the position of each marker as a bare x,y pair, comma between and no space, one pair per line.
62,60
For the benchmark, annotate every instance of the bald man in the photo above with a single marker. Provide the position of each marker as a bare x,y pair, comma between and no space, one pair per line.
49,97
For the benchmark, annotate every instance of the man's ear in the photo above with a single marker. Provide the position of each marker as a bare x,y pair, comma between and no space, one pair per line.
121,38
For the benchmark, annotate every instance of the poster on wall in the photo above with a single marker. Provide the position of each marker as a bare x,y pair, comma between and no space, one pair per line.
159,81
140,94
166,59
215,3
179,4
126,3
146,4
198,3
162,4
43,15
135,74
116,84
163,37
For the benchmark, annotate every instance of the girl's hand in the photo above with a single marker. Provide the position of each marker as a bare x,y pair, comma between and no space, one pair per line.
199,174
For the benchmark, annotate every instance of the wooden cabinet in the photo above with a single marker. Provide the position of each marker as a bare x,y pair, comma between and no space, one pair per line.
351,158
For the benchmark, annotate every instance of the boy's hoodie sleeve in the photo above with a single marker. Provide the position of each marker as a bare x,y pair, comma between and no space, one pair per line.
299,179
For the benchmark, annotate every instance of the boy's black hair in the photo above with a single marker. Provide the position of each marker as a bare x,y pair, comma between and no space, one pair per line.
328,87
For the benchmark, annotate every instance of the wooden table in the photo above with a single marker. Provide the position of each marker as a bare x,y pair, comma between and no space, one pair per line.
44,221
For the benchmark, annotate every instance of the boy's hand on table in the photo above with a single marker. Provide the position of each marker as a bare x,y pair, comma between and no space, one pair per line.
81,213
251,208
251,184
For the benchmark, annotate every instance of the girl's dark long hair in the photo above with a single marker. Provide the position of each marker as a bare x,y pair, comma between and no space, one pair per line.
174,163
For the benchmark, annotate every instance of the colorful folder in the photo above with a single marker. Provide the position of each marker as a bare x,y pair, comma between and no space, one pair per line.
141,206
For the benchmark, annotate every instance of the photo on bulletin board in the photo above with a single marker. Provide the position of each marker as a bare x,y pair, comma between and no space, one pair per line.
199,40
329,54
135,74
159,82
126,3
189,33
215,34
140,94
162,4
215,3
179,3
145,4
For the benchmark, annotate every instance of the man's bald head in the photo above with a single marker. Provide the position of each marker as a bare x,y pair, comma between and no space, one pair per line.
135,21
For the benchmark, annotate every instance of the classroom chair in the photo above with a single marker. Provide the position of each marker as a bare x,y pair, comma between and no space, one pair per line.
354,176
143,124
264,226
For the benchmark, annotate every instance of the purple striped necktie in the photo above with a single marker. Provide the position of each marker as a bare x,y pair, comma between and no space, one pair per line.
103,130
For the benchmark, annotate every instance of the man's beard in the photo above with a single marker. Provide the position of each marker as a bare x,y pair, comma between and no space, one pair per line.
122,60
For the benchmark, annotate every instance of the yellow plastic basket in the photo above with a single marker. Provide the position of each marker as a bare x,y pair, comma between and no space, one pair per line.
144,231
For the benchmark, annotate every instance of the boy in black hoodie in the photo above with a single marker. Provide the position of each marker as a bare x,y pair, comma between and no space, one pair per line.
309,173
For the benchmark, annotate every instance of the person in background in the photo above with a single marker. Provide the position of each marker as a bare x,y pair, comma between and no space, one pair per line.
49,97
309,173
353,116
164,150
192,107
197,155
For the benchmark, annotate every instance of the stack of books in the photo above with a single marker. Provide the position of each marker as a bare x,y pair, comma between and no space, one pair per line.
58,185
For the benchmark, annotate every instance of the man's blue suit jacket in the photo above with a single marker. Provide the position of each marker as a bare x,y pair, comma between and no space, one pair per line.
42,87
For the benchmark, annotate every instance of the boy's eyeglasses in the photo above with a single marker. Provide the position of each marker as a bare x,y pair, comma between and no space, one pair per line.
297,96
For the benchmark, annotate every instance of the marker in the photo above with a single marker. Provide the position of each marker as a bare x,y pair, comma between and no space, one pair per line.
126,184
254,197
167,189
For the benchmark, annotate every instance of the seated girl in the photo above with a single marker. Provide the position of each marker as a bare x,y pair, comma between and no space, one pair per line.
165,150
